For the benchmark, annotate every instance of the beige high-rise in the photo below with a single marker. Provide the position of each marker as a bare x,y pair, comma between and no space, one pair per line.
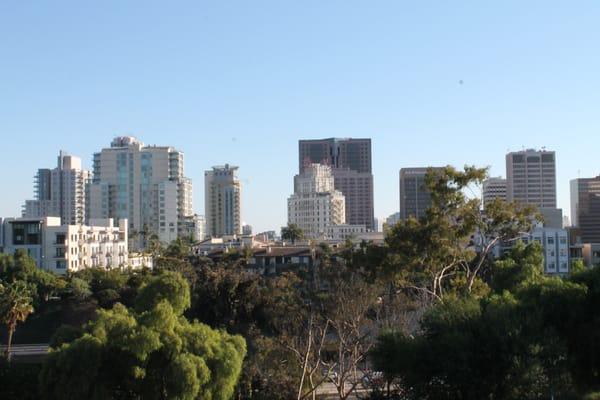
316,205
531,178
222,201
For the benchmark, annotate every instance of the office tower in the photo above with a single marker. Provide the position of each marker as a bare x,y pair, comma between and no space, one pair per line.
222,201
316,204
143,184
350,161
585,208
415,198
531,178
494,188
60,192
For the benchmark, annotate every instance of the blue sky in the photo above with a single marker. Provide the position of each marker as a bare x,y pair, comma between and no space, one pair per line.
241,82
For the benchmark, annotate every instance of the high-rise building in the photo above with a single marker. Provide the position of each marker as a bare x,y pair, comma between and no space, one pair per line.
350,162
531,178
145,185
222,201
316,204
415,198
585,208
60,192
494,188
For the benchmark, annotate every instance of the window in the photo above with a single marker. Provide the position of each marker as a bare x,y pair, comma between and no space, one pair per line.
550,240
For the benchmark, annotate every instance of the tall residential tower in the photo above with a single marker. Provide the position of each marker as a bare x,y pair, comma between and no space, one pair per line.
60,192
146,186
222,198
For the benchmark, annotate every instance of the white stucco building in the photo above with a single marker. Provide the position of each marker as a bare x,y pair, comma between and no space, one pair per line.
65,248
316,204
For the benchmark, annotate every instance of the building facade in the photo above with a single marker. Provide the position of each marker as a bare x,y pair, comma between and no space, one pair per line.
351,164
67,248
316,204
585,208
415,198
222,201
493,188
531,178
60,192
143,184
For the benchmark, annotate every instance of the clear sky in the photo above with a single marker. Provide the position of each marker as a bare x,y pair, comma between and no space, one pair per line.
240,82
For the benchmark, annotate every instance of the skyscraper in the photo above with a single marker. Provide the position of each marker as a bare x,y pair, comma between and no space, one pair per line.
585,208
60,192
415,198
316,204
350,162
145,185
222,198
531,179
494,188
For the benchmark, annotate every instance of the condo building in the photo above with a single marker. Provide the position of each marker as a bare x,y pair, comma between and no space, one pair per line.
143,184
60,192
63,248
222,201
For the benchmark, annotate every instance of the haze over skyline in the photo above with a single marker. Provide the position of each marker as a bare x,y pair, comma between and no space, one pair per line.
241,83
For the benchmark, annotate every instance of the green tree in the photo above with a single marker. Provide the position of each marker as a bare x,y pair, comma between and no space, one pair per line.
292,232
454,239
15,307
169,286
152,353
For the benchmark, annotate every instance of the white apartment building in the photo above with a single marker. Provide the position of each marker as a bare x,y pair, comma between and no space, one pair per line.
143,184
315,205
60,192
222,201
66,248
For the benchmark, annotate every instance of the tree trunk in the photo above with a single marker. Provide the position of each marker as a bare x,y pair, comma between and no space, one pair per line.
11,330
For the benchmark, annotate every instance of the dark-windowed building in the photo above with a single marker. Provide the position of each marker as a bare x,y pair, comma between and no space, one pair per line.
350,160
585,208
415,198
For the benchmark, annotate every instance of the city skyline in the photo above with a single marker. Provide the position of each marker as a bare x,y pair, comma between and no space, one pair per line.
199,202
241,84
